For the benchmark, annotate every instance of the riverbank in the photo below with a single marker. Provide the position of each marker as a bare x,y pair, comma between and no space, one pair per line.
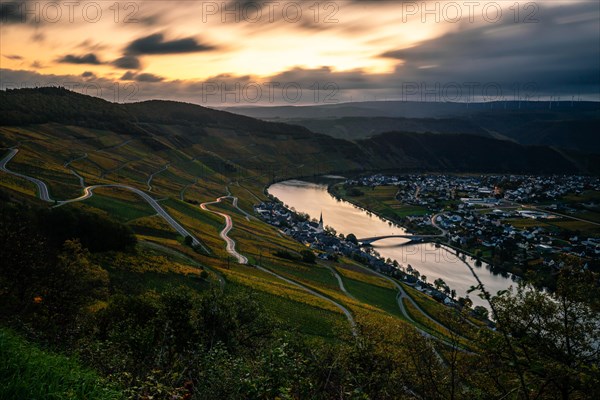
394,217
334,190
431,262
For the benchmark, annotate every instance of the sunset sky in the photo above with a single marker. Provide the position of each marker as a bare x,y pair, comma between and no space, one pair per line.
277,52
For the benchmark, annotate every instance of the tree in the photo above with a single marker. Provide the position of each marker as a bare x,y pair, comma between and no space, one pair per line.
554,337
188,240
351,238
465,302
308,256
24,260
330,230
76,282
439,283
480,312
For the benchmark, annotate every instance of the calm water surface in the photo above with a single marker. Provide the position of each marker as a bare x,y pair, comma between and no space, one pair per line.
313,199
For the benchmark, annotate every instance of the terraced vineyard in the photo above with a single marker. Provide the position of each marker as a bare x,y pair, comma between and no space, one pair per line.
104,157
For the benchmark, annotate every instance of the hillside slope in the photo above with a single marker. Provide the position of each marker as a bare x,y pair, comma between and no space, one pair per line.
274,149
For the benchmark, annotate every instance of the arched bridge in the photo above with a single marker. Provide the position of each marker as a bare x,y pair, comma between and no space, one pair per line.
373,239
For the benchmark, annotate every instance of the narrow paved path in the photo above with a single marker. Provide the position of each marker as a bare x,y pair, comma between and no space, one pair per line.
340,281
149,181
243,260
346,312
81,179
88,192
185,188
403,295
117,146
230,243
75,159
68,165
43,192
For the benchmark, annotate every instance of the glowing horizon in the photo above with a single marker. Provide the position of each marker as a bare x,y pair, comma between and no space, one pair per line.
169,49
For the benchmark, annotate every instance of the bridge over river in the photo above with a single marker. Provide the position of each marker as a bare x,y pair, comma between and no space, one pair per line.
373,239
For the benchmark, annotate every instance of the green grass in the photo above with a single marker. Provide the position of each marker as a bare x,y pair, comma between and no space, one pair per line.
441,313
587,196
131,282
377,296
122,210
28,372
302,317
151,269
382,201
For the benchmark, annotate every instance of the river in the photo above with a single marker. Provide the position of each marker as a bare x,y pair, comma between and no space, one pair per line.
313,199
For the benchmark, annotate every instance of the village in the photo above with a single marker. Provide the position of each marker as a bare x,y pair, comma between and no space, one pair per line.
513,222
330,246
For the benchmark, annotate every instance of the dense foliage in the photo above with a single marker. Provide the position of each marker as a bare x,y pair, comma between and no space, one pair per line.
95,232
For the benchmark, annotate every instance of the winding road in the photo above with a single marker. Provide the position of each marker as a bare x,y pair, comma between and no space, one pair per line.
230,243
43,192
88,192
149,181
403,295
346,312
243,260
340,281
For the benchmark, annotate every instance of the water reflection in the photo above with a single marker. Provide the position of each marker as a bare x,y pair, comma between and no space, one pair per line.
431,261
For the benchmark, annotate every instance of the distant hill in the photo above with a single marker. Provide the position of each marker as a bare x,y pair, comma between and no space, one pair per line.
50,104
270,147
460,152
414,109
569,125
354,128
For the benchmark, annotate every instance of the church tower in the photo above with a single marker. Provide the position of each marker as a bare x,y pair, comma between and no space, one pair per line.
320,228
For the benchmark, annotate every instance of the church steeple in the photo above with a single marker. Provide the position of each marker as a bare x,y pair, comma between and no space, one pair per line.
320,228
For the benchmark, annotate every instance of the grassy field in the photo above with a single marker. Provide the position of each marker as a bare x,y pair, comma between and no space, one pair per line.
557,224
442,313
28,372
119,204
382,201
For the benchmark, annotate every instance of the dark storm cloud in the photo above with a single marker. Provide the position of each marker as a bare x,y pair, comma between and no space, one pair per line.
127,62
89,58
146,77
156,44
143,77
128,76
559,52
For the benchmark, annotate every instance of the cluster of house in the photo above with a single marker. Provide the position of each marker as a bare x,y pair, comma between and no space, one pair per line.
542,188
482,207
487,189
314,235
